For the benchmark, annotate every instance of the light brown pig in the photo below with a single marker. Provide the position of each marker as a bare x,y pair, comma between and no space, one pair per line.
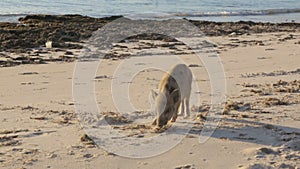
173,91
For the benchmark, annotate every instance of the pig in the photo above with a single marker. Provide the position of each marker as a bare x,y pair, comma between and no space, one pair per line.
174,91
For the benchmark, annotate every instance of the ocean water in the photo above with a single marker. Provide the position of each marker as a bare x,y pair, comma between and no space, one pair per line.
215,10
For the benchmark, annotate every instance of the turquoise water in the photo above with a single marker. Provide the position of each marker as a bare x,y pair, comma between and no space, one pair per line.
217,10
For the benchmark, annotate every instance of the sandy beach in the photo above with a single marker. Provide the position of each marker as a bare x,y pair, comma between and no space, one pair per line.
260,123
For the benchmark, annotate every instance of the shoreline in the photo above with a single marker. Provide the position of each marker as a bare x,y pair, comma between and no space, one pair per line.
26,39
34,31
271,15
24,42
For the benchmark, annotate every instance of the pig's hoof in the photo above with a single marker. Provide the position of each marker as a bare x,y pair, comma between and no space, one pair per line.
173,120
157,129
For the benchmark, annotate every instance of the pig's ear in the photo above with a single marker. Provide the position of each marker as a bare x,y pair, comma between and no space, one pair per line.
175,95
152,96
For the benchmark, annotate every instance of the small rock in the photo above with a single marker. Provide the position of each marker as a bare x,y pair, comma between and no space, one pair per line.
48,44
188,166
140,136
269,126
244,116
258,166
29,108
69,53
245,107
109,153
101,77
259,157
262,57
286,138
39,118
194,65
283,165
71,153
233,34
267,150
87,140
29,73
88,156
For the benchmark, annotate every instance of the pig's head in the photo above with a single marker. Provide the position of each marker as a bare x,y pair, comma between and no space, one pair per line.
165,105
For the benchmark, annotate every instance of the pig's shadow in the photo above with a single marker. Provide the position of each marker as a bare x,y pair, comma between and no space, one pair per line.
243,130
